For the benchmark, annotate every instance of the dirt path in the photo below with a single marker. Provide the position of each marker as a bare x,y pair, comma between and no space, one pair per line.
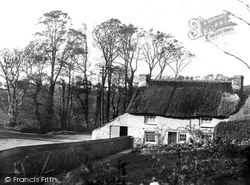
6,143
10,139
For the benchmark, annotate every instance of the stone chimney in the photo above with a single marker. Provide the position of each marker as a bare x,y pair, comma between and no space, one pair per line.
143,79
237,84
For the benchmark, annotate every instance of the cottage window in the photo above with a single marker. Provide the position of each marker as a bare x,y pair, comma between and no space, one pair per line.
149,136
206,121
183,137
206,136
150,119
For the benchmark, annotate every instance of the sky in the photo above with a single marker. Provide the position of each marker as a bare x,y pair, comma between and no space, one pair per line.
18,20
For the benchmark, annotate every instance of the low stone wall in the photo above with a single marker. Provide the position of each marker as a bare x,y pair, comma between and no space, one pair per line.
60,157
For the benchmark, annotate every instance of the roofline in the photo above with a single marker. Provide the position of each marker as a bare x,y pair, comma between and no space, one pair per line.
198,81
176,117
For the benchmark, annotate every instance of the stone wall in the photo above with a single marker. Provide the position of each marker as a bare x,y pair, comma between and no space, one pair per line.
61,156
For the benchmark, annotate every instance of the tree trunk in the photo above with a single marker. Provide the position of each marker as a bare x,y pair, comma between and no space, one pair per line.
50,100
63,113
125,87
67,111
13,109
130,86
37,112
50,108
87,102
108,94
98,109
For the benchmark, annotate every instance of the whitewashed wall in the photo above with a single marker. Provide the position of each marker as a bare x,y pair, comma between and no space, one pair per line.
134,124
137,127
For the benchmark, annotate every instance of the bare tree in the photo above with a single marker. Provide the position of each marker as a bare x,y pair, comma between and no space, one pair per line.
154,49
130,53
117,92
36,63
169,51
107,39
182,59
79,56
55,26
12,67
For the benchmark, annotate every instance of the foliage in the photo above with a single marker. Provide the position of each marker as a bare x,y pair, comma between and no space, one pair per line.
233,130
214,165
53,84
108,40
12,66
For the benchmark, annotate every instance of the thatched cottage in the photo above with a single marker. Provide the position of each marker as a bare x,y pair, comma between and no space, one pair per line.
173,111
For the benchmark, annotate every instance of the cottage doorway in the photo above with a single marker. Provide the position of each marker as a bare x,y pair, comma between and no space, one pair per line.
172,137
123,131
117,131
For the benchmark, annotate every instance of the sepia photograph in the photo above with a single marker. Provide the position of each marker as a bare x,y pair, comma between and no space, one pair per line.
129,92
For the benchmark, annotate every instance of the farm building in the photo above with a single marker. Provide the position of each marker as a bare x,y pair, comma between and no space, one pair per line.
175,111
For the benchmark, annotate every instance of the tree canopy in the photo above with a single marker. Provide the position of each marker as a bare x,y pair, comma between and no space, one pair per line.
54,83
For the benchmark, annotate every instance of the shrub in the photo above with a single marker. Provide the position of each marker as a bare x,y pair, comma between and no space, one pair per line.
233,130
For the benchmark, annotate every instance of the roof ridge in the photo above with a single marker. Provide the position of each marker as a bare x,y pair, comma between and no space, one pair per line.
177,80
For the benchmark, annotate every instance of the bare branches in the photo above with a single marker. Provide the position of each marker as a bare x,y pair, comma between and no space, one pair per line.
130,48
181,59
12,65
237,17
53,37
226,52
230,54
108,39
156,50
248,8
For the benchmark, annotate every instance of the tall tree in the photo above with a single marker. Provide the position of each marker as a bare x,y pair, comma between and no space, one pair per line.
12,67
36,62
169,50
55,25
117,90
154,48
108,40
130,53
79,47
182,58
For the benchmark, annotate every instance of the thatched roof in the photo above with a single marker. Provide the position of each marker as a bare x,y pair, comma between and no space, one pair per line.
244,111
185,99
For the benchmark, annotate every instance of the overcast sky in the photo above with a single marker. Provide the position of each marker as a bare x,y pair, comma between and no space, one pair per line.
18,19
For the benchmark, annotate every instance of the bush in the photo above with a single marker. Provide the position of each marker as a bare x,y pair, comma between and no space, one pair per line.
233,130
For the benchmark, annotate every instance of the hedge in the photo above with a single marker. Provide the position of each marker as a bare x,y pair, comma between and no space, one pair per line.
233,130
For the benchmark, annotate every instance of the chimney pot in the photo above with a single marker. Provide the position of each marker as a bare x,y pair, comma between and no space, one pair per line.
143,79
237,84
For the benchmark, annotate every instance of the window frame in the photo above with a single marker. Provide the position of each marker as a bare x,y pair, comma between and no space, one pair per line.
150,119
150,132
206,122
182,137
209,136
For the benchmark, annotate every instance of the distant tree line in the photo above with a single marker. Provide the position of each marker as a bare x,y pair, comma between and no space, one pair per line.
52,84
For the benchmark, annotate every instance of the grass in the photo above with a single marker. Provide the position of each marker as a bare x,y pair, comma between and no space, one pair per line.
145,168
217,165
139,169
